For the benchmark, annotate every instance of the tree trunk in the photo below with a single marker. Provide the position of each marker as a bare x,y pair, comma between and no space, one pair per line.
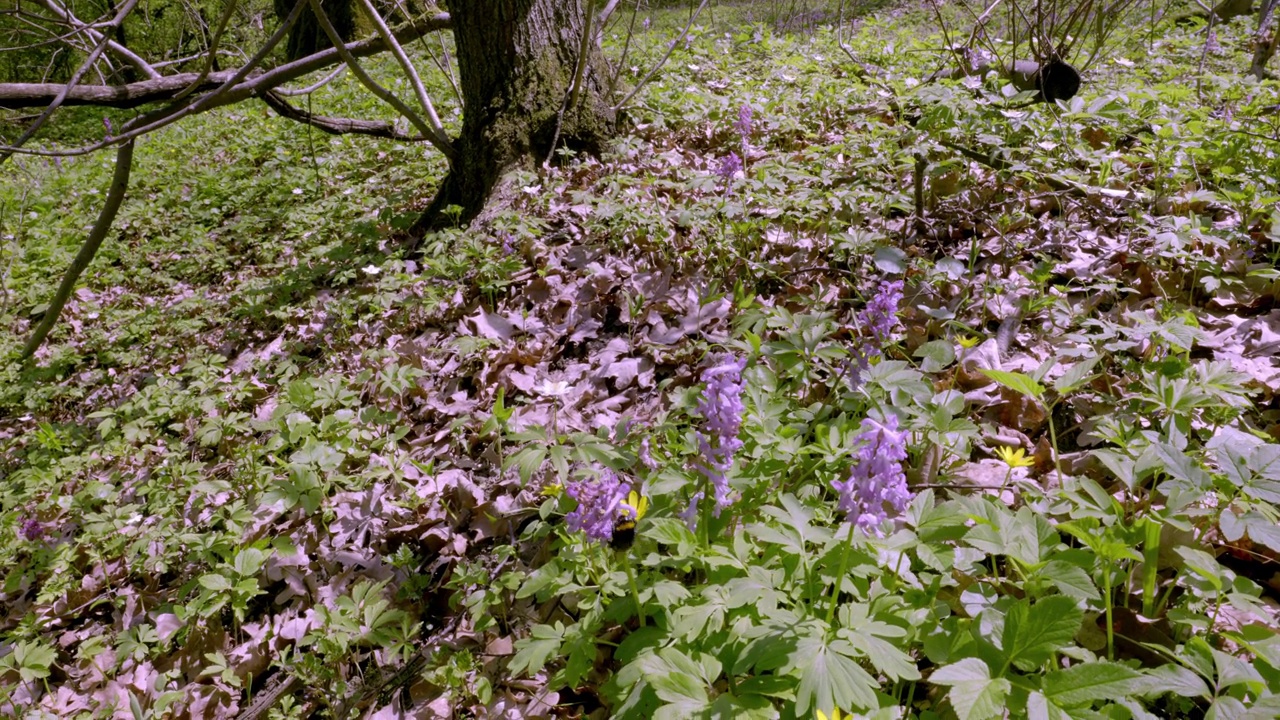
516,61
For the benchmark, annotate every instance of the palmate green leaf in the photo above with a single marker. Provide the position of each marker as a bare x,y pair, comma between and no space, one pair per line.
533,652
974,694
1088,682
884,655
1032,633
1017,382
832,680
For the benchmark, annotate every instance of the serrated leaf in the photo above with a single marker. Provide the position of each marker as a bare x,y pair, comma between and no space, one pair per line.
1084,683
885,656
1172,679
533,652
832,680
1261,530
1040,707
1032,633
974,694
1071,580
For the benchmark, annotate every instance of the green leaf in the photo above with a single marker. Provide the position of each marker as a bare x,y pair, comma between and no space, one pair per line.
974,694
215,582
1075,376
1071,580
1032,633
1234,671
533,652
832,680
1040,707
1084,683
1017,382
884,655
528,461
936,355
890,259
1172,679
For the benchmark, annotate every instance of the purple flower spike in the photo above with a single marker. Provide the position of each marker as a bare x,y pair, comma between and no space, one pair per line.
877,486
31,529
721,409
881,314
730,165
879,318
600,500
743,125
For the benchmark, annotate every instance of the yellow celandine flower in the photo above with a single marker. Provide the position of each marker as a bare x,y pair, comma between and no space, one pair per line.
967,341
835,715
552,490
1014,457
639,502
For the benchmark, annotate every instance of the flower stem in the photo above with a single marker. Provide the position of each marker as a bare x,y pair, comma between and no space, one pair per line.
635,594
844,564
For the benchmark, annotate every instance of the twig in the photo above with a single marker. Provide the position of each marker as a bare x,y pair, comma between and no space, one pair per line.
245,89
92,31
211,53
286,92
441,141
645,80
115,196
437,129
570,103
89,61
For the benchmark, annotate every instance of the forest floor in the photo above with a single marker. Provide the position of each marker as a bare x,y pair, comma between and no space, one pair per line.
270,464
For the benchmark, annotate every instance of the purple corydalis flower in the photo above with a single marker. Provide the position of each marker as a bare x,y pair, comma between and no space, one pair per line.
600,499
879,318
743,124
646,455
690,514
721,409
729,166
877,486
31,529
881,314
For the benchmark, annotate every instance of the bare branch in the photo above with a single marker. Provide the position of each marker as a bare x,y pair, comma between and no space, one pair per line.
253,86
115,196
30,132
437,129
286,92
336,126
645,80
116,48
441,142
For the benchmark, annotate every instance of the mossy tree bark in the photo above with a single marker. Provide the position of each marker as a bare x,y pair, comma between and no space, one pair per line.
516,62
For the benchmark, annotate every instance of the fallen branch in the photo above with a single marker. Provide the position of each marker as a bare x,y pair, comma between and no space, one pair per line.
336,125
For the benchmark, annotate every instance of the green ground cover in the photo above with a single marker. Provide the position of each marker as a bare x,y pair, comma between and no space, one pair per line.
273,462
